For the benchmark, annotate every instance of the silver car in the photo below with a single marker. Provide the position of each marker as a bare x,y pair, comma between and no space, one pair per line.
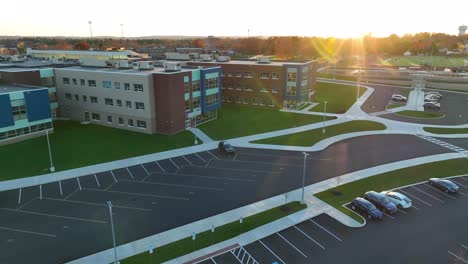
401,201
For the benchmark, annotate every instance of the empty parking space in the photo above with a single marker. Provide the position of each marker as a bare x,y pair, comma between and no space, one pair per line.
227,258
287,251
262,254
152,167
168,166
195,160
138,172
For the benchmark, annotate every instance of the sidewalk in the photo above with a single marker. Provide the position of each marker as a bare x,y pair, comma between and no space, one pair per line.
204,137
315,207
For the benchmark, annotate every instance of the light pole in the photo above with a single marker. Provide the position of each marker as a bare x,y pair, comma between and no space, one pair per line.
303,176
91,28
358,87
52,168
324,111
109,203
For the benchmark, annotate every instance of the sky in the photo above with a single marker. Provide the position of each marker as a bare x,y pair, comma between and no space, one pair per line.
324,18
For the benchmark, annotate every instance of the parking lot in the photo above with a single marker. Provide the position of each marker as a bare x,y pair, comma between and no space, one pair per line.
432,231
65,220
381,97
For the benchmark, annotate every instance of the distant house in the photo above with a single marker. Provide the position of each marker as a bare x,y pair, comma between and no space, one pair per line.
407,53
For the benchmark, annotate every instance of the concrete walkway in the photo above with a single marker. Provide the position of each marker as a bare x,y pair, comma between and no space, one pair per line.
315,207
198,133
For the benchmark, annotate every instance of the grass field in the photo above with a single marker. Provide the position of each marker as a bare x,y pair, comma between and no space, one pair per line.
339,97
420,114
75,145
238,121
205,239
338,77
309,138
392,180
437,61
439,130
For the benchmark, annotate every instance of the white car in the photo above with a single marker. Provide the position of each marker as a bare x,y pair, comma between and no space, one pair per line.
434,93
399,97
431,105
398,199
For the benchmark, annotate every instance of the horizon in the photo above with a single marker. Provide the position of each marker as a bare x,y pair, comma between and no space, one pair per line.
244,19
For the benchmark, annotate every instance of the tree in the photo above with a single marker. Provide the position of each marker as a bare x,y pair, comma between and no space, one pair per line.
83,45
21,47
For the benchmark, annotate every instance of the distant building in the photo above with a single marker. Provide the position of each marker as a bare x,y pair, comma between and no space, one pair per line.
462,30
211,43
85,54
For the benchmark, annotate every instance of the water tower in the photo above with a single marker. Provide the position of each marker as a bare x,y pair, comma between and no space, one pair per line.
462,30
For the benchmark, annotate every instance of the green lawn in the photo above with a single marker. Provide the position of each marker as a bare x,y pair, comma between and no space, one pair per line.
339,97
420,114
392,180
437,61
310,137
439,130
338,77
75,145
238,121
205,239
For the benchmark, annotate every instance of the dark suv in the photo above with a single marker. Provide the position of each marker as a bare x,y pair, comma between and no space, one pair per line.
380,201
226,148
366,207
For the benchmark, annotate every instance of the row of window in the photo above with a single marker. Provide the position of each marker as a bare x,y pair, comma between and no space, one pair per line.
195,104
107,101
137,87
262,75
24,131
120,121
19,110
248,100
196,87
245,87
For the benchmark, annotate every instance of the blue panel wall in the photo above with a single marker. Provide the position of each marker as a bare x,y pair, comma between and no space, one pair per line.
37,104
6,117
203,74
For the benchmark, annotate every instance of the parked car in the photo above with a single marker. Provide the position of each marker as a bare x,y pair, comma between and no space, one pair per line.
399,97
380,201
225,148
432,105
398,199
434,93
431,98
444,185
363,206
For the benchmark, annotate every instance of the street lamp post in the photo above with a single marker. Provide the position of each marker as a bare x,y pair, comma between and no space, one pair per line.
52,168
324,111
109,203
303,176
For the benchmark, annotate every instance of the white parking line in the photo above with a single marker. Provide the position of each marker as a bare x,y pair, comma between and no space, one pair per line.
435,189
291,244
98,204
129,172
95,177
110,185
140,194
435,198
324,229
212,154
271,251
113,176
458,183
27,232
68,196
401,211
163,170
30,201
147,173
463,178
422,201
19,196
213,261
179,185
200,157
313,240
40,191
208,163
457,257
463,194
56,216
78,181
391,217
415,207
60,188
187,160
174,164
465,247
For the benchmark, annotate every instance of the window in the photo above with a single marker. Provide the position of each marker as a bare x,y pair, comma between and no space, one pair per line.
75,82
274,90
109,101
82,82
96,117
107,84
128,104
119,102
91,83
212,83
138,87
245,100
196,102
274,75
195,86
140,105
68,96
77,97
187,87
248,74
130,122
238,86
109,119
239,74
121,121
66,81
19,111
94,99
264,75
187,105
263,90
291,90
85,98
229,74
141,124
117,85
127,86
212,99
292,76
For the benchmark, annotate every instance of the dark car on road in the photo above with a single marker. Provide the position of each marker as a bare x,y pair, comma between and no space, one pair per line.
363,206
444,185
380,201
226,148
